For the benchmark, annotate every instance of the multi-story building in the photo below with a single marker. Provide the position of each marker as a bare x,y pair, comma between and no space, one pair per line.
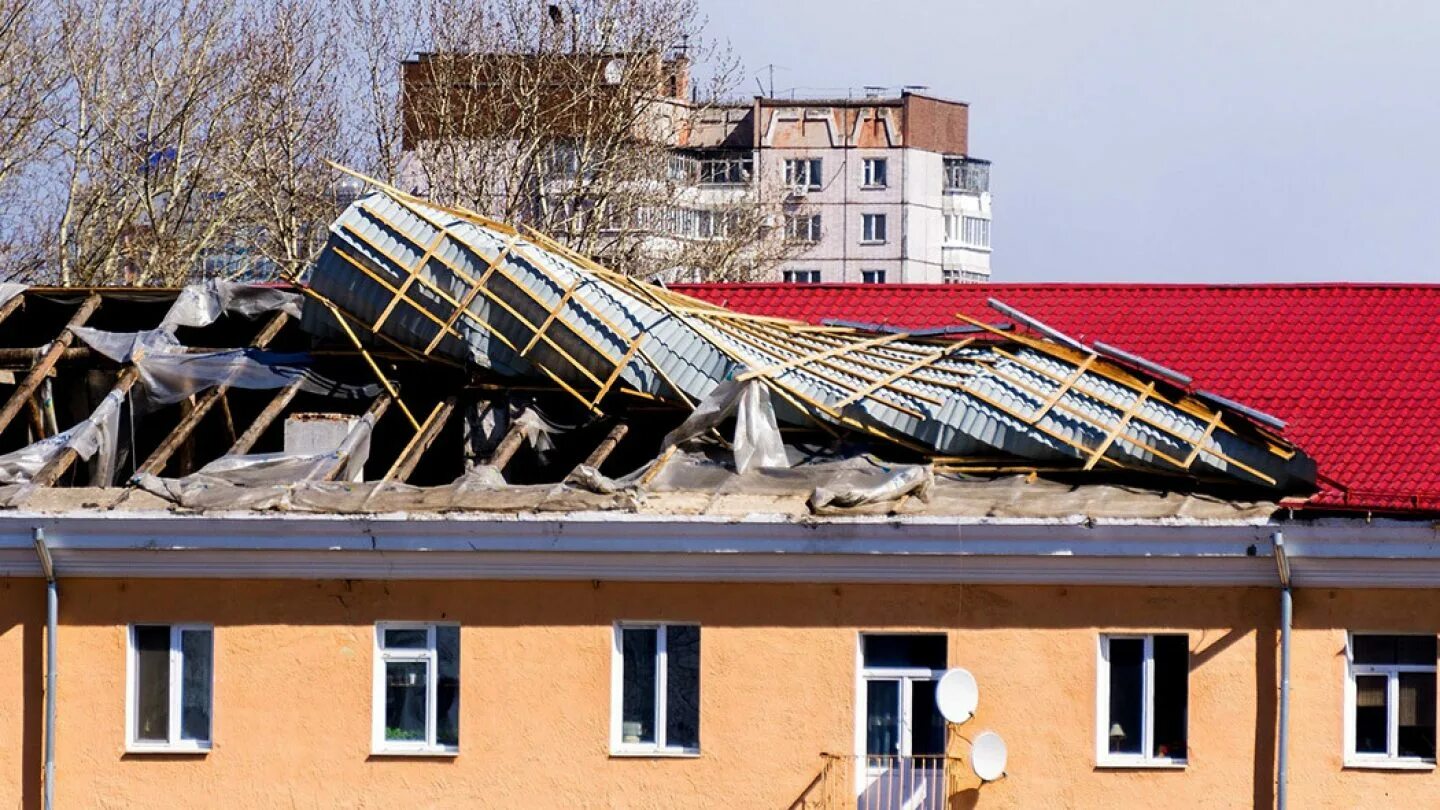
874,190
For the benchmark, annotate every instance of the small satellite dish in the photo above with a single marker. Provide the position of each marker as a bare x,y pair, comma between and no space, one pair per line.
987,756
956,695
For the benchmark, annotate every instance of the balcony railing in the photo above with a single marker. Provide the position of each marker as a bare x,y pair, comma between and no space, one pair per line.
882,783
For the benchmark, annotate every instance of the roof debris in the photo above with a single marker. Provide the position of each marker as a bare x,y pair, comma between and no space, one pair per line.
543,373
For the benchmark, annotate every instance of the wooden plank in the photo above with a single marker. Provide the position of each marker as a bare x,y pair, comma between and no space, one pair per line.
894,376
47,361
264,419
11,306
375,367
505,450
404,288
409,458
155,464
606,446
1120,426
464,304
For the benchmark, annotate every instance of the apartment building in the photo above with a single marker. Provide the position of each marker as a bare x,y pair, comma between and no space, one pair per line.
873,190
879,188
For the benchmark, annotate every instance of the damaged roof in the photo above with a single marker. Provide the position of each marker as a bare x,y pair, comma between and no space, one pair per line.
1352,369
460,360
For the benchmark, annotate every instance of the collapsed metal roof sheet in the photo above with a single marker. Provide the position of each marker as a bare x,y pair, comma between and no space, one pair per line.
437,281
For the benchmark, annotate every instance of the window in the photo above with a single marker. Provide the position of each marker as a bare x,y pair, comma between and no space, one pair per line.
873,170
872,227
417,688
655,689
171,677
872,276
1390,701
898,712
967,175
802,173
1142,693
966,230
727,170
801,276
802,227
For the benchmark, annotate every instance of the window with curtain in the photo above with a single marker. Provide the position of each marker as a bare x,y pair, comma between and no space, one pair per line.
171,676
1143,704
1391,695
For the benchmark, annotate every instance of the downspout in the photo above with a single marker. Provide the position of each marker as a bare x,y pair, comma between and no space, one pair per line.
52,620
1282,568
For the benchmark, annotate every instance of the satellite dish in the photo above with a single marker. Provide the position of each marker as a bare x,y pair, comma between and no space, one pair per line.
987,756
956,695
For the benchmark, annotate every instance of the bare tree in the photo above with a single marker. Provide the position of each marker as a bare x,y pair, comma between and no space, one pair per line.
28,81
149,115
572,118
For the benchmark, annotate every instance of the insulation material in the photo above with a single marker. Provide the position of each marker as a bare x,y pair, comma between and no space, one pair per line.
909,480
96,435
238,480
454,283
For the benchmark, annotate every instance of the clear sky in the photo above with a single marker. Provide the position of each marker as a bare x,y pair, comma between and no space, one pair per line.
1158,140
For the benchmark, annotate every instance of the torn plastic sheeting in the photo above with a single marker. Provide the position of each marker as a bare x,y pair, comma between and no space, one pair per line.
170,373
757,443
202,304
9,290
97,434
910,480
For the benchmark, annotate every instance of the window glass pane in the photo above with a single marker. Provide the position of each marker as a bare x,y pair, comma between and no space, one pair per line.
1172,671
927,726
912,651
637,700
1415,650
447,686
195,651
1374,649
152,682
407,639
1371,700
682,686
1416,737
405,686
1127,694
882,718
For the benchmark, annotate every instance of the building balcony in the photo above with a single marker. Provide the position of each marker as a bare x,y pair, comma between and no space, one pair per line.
965,175
884,783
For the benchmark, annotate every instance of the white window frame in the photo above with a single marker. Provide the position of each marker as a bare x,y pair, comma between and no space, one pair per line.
430,656
789,276
867,172
1145,759
1390,760
806,173
867,229
659,748
174,744
876,276
812,225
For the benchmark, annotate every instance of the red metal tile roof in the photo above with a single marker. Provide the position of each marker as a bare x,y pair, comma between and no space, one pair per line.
1354,369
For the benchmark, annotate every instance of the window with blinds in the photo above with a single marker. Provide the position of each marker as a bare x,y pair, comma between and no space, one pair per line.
1390,719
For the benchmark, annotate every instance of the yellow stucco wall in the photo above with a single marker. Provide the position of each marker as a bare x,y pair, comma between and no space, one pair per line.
293,691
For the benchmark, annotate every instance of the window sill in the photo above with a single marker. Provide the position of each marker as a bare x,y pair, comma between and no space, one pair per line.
167,749
873,188
654,753
1146,764
415,752
873,242
1353,763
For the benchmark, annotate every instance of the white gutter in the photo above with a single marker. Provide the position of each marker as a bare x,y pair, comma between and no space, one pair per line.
760,548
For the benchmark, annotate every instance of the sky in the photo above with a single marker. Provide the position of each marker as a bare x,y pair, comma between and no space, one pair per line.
1157,140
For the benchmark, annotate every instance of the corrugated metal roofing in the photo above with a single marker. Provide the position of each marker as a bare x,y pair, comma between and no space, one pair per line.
1354,369
409,270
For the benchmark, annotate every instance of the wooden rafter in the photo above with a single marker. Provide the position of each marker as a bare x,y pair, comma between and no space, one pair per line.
42,367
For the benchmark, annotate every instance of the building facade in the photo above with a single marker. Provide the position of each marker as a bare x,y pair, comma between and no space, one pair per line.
328,662
872,190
